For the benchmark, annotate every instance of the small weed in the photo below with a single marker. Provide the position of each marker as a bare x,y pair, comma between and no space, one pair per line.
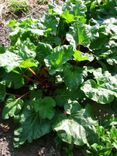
17,6
42,2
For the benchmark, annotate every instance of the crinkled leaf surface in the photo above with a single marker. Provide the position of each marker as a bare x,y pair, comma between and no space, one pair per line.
32,128
12,107
9,60
81,33
45,107
103,81
25,49
43,50
99,93
73,76
50,23
106,79
13,80
71,132
58,58
75,7
73,127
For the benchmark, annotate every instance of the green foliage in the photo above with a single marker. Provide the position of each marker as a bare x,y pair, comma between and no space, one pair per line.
58,69
73,127
80,33
45,107
2,92
32,124
106,144
73,76
9,60
58,58
18,6
42,2
12,107
103,89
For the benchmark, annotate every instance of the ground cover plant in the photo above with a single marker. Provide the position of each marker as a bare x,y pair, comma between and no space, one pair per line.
20,6
42,2
59,74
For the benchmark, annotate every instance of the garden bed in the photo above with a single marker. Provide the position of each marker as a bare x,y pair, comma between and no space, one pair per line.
58,79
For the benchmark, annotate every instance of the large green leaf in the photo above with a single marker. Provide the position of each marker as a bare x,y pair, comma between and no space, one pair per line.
67,16
106,41
81,34
35,127
63,94
75,7
73,76
71,132
25,49
45,107
28,63
13,80
106,79
103,89
9,60
99,93
80,56
50,23
12,107
77,118
43,50
58,58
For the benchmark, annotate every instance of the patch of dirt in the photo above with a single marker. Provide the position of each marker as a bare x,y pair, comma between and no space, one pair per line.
46,146
35,11
40,147
6,147
4,39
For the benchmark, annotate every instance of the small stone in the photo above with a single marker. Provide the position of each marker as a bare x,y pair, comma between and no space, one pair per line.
4,139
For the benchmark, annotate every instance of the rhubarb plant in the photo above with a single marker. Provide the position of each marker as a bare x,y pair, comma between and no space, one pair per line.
58,68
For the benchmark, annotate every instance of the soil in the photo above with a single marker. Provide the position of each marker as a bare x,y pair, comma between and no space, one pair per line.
35,11
45,146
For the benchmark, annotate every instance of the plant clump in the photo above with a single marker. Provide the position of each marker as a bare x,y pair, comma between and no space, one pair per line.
57,70
41,2
18,6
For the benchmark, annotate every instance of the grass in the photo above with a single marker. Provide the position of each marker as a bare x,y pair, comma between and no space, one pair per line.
42,1
16,6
